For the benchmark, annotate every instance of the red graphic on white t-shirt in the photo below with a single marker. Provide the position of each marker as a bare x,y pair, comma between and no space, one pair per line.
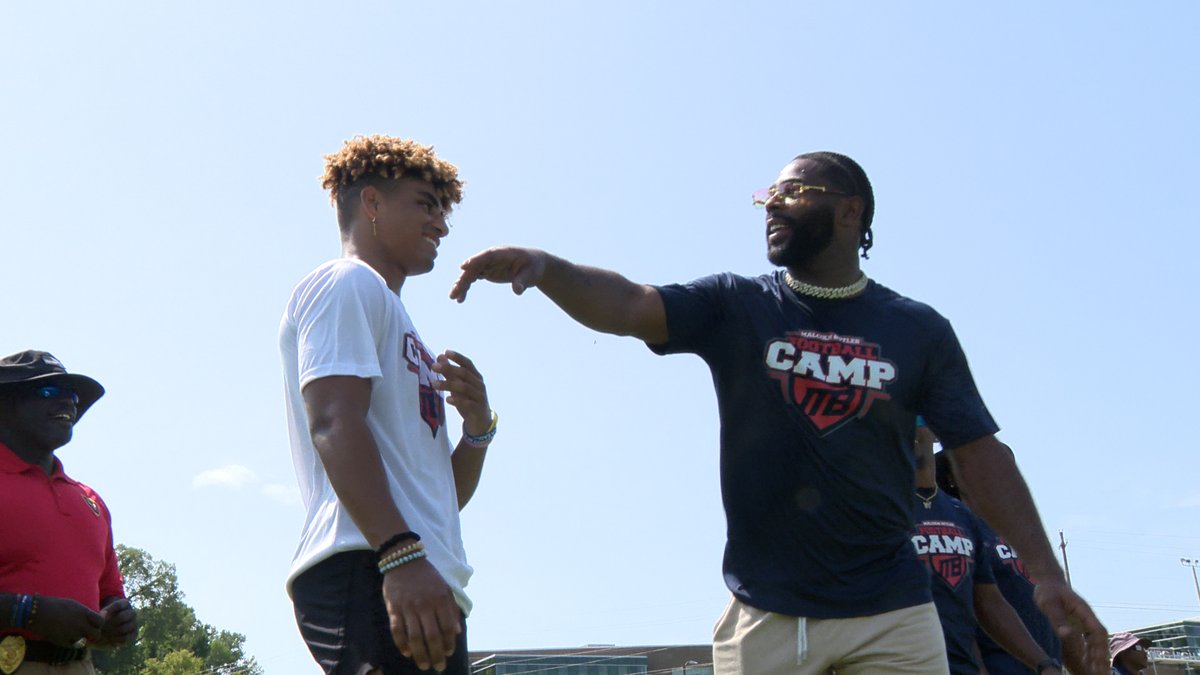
433,408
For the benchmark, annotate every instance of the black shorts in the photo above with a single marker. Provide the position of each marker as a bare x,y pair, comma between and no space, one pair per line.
342,618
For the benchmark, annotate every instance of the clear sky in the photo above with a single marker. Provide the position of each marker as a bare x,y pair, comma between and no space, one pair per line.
1032,164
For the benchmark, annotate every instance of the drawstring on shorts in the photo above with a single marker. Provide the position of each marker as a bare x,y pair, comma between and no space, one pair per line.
801,640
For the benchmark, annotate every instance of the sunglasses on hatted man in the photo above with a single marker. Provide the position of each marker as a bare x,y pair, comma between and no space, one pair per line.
55,391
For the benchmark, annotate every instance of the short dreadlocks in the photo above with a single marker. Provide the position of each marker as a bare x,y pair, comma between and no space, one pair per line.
377,160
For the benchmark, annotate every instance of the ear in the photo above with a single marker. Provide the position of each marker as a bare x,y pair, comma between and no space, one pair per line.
368,202
850,211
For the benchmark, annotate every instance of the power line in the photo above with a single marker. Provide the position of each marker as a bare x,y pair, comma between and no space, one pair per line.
1163,608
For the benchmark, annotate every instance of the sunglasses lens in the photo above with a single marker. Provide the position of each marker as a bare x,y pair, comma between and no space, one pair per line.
760,197
52,391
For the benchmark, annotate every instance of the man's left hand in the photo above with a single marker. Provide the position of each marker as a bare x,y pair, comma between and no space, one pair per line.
464,390
1071,615
120,623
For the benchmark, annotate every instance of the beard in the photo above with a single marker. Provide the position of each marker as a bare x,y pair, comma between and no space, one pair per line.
808,235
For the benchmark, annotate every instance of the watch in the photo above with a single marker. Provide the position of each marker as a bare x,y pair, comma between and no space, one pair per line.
1047,663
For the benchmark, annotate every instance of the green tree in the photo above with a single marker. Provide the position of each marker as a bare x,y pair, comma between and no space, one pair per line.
170,638
179,662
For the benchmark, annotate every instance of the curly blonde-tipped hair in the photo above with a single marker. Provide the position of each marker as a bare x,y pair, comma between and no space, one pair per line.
375,160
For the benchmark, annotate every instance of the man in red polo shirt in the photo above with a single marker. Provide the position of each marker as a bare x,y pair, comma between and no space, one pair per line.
60,588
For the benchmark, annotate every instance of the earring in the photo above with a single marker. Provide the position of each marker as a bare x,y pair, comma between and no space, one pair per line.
374,228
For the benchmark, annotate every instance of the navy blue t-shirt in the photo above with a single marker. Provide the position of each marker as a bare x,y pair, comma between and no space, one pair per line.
818,400
1016,586
949,539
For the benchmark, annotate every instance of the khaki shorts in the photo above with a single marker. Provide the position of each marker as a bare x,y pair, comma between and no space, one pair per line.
750,641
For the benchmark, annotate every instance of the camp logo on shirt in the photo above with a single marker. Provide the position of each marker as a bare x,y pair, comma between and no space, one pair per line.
946,549
433,408
95,507
1008,555
829,377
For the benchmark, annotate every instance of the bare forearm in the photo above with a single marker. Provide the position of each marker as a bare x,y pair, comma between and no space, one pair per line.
1001,622
988,475
351,459
604,300
467,462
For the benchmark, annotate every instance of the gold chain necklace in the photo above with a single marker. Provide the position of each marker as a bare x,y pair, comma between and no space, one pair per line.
812,290
928,502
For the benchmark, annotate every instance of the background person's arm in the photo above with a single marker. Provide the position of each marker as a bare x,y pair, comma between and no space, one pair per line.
62,621
120,622
1002,624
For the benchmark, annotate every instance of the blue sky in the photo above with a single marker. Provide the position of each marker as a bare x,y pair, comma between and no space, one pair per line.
1031,164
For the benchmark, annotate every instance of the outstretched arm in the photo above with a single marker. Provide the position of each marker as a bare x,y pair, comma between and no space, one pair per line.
988,475
599,299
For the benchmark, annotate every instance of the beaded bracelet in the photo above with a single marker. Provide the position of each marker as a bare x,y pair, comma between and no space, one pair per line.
24,608
32,611
404,560
401,552
484,439
396,539
16,618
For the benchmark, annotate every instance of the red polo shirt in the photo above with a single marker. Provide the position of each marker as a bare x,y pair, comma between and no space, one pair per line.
55,535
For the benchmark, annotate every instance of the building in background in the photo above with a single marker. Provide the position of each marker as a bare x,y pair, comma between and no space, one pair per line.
1176,649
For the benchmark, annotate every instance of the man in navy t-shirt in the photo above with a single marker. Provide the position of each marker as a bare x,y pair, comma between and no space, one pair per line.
1017,588
819,374
949,539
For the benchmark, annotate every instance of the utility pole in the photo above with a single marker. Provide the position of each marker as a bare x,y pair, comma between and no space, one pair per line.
1066,565
1192,563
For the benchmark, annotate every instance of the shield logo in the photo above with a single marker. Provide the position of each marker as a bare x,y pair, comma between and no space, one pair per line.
827,378
951,567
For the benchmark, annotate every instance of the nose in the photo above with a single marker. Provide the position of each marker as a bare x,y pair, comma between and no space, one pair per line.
774,200
68,406
442,223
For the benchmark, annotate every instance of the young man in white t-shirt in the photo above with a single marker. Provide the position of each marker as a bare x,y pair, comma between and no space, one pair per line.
377,581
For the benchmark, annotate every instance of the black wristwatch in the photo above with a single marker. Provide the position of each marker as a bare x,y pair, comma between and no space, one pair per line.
1047,663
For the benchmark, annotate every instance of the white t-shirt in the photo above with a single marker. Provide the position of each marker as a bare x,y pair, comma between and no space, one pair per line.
342,319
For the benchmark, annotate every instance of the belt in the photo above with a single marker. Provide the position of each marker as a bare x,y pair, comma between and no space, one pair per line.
48,652
38,651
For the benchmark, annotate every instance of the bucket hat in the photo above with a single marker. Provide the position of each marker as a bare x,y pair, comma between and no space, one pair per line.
37,368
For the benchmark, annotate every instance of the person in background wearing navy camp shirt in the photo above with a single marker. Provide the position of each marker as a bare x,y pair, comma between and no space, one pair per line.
1017,588
819,374
948,539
